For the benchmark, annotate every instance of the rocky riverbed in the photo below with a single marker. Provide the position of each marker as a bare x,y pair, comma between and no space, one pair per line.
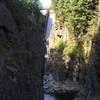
52,87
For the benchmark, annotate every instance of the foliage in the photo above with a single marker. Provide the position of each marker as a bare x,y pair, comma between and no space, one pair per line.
69,49
59,45
78,15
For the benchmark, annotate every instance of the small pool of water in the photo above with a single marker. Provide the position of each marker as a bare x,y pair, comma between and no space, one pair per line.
49,97
68,96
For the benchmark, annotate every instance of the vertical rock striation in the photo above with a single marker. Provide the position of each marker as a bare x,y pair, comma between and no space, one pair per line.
21,55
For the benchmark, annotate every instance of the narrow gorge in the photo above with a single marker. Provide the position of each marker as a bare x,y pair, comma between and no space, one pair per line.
50,53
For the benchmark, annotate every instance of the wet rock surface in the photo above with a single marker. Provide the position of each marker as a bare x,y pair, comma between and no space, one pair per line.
51,86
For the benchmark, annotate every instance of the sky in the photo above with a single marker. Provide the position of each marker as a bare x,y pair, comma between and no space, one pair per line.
46,3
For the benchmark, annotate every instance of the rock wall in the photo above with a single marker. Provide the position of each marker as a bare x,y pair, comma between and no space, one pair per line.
21,55
71,67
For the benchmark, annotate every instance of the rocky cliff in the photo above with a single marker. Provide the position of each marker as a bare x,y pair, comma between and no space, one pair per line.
21,52
63,72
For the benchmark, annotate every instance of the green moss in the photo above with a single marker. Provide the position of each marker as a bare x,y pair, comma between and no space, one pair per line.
58,43
69,49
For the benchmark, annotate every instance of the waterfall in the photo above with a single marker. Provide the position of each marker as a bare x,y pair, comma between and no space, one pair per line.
50,23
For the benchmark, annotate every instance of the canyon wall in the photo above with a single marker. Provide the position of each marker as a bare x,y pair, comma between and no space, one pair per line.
22,52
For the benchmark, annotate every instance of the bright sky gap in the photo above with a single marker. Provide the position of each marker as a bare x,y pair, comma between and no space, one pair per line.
46,3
